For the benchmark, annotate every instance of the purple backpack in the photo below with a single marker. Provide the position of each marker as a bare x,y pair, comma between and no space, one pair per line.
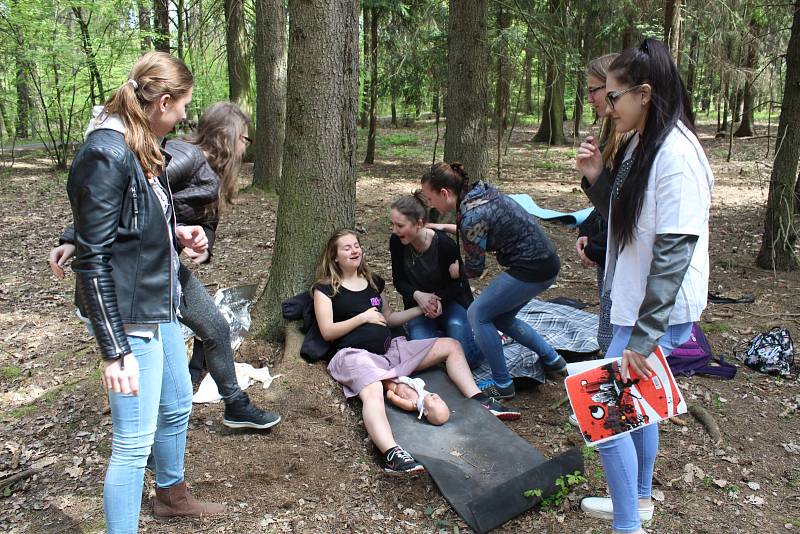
696,358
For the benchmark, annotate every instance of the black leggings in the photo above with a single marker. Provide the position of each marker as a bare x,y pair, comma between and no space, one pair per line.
199,313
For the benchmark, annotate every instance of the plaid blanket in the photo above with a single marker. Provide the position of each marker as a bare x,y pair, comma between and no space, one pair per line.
564,327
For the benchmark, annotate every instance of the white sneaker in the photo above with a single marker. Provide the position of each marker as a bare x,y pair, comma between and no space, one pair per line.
602,508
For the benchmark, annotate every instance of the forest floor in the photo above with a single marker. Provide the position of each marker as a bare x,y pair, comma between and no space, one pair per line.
316,471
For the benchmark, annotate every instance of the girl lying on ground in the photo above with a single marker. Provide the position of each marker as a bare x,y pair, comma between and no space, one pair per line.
353,314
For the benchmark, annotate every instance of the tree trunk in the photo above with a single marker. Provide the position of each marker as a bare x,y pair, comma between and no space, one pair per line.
270,61
364,120
528,101
95,81
144,25
181,23
551,129
672,28
465,138
373,86
503,85
236,48
161,22
692,70
777,246
746,128
318,193
23,124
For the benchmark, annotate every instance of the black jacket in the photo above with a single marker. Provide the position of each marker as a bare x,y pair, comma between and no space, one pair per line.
122,259
451,290
195,189
301,308
596,229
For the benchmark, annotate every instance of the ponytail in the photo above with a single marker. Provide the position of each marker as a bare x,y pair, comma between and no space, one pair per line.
450,176
155,74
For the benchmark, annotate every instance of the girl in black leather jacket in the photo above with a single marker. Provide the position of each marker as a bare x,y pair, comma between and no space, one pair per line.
202,172
127,288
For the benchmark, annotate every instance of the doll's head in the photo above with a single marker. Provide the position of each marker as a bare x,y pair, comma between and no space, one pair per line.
435,409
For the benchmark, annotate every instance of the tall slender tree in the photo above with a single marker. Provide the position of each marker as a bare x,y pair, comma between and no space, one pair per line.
672,28
551,129
161,25
374,16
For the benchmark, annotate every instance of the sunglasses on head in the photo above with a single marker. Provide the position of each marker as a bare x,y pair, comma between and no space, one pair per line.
613,96
247,140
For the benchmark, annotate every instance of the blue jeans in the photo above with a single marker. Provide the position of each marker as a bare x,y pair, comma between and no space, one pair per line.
453,323
496,309
158,417
628,460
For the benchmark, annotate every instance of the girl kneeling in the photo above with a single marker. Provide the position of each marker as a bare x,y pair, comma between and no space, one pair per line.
353,314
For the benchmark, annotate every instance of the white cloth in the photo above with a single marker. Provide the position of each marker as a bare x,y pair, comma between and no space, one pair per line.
676,201
246,374
418,385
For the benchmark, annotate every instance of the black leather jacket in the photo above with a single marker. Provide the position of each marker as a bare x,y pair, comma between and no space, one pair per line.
122,258
195,187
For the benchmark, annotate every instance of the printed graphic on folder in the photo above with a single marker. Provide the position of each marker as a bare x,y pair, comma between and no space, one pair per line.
606,405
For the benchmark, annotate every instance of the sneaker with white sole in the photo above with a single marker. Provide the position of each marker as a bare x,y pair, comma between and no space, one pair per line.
573,420
602,508
397,461
504,413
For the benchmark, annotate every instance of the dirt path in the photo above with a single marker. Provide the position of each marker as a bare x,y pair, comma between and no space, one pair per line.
316,471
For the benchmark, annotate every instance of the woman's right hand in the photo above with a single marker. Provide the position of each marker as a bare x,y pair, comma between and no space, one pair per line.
59,256
121,380
588,160
373,316
580,245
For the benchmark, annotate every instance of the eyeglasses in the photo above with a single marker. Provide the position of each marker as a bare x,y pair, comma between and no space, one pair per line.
593,90
247,140
613,96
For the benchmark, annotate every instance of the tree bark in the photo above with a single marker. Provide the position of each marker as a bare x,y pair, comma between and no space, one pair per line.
318,193
528,100
24,104
503,85
270,56
746,127
161,22
236,48
144,25
672,28
364,120
551,129
181,23
780,235
465,138
692,70
373,87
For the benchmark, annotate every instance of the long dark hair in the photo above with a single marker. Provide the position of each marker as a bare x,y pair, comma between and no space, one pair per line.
649,63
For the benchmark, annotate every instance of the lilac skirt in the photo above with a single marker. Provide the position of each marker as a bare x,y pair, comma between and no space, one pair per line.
355,369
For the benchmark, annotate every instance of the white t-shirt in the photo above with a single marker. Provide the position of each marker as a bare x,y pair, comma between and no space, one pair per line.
676,201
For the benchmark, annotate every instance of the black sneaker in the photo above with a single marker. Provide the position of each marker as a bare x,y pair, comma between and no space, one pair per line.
497,392
397,461
241,413
558,367
498,410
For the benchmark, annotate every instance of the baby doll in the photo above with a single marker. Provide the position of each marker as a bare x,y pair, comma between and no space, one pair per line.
409,394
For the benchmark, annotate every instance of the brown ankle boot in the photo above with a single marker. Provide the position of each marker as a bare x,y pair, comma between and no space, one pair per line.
176,501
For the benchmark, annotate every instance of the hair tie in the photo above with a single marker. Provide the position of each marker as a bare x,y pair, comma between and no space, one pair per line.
133,83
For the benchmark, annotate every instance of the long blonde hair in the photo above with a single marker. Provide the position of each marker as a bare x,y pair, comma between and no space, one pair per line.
598,67
218,132
329,272
155,74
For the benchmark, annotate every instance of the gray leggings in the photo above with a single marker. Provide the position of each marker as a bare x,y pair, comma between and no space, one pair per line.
199,313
